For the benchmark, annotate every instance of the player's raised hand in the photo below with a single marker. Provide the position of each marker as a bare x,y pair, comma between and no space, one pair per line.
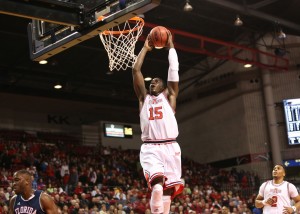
170,40
148,43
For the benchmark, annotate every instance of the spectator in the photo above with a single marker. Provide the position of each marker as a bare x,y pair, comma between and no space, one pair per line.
99,180
84,202
120,196
120,208
225,210
141,206
4,209
95,191
103,209
65,180
73,180
64,168
78,189
65,209
6,159
83,176
50,189
92,177
41,184
35,176
75,208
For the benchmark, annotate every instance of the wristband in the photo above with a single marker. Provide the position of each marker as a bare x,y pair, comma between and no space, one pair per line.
294,208
264,202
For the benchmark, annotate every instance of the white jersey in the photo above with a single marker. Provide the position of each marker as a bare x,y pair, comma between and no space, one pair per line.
281,193
157,118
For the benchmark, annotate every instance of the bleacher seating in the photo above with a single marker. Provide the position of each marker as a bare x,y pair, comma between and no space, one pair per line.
117,171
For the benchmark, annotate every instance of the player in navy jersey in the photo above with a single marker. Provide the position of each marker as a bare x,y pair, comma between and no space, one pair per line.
160,154
28,200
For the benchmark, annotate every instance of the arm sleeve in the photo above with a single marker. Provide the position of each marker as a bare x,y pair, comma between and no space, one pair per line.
173,75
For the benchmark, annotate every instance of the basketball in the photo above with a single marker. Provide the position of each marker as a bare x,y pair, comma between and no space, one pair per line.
159,36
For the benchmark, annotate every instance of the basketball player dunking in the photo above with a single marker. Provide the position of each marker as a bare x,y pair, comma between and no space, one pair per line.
160,154
28,200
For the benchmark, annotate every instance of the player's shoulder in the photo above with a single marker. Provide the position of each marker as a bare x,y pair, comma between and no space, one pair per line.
14,197
166,93
12,201
46,199
38,192
291,185
44,194
41,194
265,183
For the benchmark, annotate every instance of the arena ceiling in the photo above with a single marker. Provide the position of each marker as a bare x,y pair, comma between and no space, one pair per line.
83,69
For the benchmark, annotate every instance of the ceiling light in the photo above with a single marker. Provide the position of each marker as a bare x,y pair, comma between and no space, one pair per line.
187,7
43,62
247,65
57,86
238,22
281,35
278,31
148,79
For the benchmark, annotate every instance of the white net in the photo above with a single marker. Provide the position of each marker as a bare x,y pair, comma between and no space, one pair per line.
119,42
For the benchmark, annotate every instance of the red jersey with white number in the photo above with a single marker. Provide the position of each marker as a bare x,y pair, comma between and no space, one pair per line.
158,120
280,193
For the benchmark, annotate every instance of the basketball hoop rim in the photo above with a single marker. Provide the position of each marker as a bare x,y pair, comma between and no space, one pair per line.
137,19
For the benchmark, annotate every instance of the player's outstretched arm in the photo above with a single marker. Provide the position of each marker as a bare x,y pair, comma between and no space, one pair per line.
138,78
48,204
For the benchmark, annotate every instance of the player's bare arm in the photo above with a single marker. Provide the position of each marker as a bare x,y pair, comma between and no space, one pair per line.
11,205
48,204
138,78
294,208
260,202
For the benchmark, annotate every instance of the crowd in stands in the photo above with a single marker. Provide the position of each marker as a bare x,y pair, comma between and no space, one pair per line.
98,180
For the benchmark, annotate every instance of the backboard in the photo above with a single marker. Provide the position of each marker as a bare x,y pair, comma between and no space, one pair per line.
60,24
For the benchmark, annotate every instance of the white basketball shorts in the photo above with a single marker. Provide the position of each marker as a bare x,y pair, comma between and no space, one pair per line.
162,159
